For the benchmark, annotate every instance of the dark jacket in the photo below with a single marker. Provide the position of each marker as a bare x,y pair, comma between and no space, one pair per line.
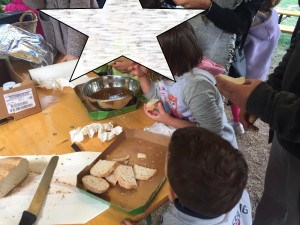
65,39
277,101
236,21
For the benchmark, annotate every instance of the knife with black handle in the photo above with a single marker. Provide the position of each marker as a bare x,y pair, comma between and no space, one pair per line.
29,216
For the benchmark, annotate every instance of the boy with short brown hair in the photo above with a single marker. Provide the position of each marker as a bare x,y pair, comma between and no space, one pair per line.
207,179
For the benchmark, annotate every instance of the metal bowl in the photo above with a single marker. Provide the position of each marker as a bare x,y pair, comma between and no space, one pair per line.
111,91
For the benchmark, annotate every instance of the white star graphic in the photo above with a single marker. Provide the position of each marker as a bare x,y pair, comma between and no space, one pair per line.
122,28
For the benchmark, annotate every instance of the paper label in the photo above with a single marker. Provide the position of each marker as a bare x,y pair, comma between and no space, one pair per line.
19,101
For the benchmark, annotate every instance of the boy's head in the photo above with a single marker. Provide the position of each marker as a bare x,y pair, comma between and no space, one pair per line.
180,47
206,173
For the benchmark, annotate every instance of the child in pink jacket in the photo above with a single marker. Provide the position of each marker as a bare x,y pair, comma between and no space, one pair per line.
18,5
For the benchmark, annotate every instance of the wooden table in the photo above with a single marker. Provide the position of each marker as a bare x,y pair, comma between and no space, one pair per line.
47,132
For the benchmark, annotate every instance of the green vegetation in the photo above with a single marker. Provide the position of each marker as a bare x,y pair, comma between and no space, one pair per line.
285,39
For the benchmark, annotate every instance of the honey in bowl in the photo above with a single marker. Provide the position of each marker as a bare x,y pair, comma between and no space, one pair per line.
112,93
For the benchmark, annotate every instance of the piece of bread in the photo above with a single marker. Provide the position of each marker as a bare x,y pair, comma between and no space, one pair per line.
239,80
143,173
94,184
152,104
111,178
141,156
103,168
13,170
122,159
125,176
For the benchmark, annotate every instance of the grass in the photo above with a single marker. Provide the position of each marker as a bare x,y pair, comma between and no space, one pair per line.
285,39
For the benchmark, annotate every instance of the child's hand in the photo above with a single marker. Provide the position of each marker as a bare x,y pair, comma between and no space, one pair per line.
3,7
159,114
122,64
138,70
126,222
67,58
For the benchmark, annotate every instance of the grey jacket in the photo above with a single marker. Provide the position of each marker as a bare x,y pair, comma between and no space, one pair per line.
66,40
194,97
217,44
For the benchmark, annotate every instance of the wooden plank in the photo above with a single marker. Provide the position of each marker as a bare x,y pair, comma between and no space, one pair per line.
288,12
286,29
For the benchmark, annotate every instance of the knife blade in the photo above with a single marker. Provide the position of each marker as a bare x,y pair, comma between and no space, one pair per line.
29,216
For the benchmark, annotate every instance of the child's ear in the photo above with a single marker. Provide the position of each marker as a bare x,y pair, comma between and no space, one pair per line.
172,195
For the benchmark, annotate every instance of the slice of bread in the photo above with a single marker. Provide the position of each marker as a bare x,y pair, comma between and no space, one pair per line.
94,184
143,173
122,159
152,104
13,170
239,80
125,176
103,168
111,178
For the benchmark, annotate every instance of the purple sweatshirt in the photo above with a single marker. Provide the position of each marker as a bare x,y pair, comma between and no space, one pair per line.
260,44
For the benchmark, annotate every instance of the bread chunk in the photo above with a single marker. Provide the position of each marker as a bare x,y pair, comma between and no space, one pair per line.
122,160
239,80
103,168
152,104
143,173
111,178
125,176
94,184
13,170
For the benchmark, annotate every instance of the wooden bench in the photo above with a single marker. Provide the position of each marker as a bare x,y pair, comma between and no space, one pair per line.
284,14
286,29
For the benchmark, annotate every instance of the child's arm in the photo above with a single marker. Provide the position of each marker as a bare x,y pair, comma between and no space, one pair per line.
141,72
126,222
161,116
11,7
200,96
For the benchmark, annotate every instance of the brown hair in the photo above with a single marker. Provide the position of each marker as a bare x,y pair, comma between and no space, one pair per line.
207,174
269,4
180,47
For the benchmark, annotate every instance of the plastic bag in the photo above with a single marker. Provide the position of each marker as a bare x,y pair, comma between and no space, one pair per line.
21,44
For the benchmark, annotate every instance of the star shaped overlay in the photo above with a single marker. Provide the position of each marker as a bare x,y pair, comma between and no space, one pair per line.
122,28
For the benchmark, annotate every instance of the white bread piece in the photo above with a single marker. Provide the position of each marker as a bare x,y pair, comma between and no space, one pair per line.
111,178
103,168
143,173
141,156
13,170
152,104
239,80
125,176
122,160
94,184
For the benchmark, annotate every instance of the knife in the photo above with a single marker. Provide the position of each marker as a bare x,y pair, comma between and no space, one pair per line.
29,216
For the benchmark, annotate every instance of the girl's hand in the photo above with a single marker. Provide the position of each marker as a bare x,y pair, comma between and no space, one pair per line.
67,58
138,70
122,64
3,7
126,222
159,115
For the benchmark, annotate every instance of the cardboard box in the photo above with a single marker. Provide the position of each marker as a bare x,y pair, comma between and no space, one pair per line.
18,102
131,142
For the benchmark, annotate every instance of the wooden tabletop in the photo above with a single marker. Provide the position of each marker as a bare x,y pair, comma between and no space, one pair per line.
47,132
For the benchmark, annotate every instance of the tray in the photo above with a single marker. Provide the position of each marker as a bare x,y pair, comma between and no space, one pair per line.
97,113
131,142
